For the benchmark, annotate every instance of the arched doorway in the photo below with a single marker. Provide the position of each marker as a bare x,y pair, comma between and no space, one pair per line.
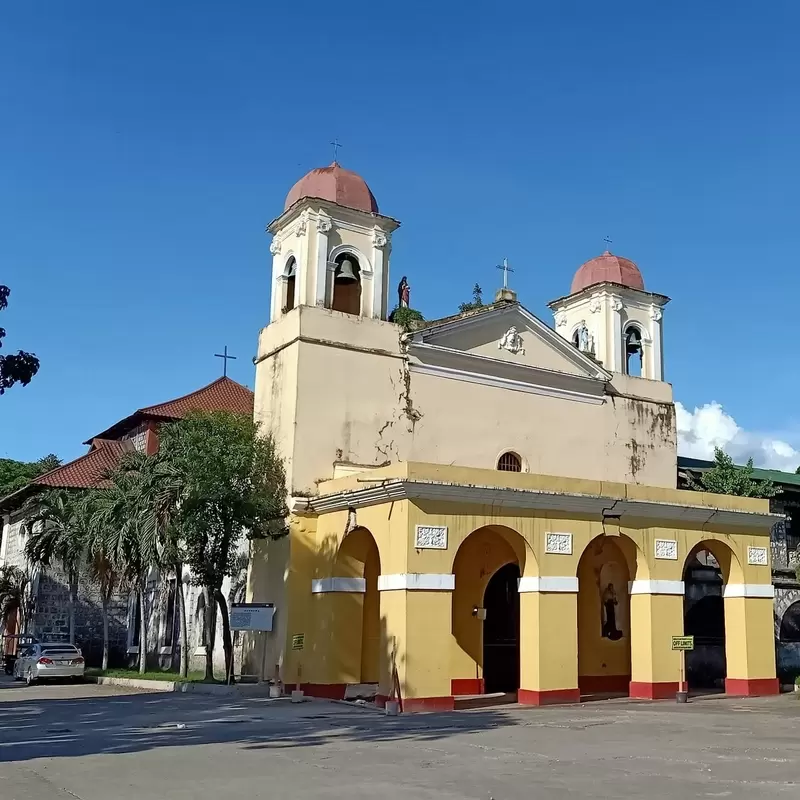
501,631
704,618
360,651
604,614
486,611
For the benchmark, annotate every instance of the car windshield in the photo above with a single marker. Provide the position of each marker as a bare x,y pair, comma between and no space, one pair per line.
59,649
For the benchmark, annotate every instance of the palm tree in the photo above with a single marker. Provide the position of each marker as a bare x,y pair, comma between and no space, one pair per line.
162,491
100,567
130,544
55,526
15,595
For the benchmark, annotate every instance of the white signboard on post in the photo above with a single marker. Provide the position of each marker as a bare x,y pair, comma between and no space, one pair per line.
252,616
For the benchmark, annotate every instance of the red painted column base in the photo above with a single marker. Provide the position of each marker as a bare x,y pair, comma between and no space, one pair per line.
460,686
663,690
533,697
328,691
752,687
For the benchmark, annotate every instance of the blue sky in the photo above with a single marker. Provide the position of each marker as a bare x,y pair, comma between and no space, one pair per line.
143,148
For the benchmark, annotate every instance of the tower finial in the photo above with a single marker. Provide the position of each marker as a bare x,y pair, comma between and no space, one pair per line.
336,145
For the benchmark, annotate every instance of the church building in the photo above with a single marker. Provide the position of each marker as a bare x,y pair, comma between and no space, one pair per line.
483,503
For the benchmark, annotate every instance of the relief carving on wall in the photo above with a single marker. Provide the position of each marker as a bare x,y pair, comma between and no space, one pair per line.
757,556
431,537
275,246
560,543
667,549
512,342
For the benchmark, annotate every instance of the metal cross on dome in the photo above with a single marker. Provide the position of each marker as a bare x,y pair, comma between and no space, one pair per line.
506,269
607,240
336,145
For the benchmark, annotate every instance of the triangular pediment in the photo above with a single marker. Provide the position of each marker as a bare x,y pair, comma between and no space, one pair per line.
509,333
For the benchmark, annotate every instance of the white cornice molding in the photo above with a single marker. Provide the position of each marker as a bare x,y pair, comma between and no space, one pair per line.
330,585
417,582
657,587
749,590
567,584
453,373
386,491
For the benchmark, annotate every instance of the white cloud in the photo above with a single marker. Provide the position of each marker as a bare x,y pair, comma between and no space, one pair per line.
710,426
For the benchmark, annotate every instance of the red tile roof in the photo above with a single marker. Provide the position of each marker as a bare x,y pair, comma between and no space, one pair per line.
222,394
88,470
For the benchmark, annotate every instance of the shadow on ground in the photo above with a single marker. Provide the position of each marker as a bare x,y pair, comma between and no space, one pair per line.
131,723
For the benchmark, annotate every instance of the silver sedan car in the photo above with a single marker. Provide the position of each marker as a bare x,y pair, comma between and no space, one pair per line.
49,660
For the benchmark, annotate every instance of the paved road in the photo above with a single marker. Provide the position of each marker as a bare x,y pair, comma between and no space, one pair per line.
98,743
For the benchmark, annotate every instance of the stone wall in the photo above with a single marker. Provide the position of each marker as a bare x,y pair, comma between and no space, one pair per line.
51,618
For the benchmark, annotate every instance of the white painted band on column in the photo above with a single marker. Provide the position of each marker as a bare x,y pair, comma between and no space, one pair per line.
657,587
749,590
548,583
417,581
325,585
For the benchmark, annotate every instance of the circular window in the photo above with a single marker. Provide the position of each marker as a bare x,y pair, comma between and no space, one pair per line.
509,462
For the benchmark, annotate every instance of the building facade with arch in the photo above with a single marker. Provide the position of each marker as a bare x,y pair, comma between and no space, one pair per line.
483,503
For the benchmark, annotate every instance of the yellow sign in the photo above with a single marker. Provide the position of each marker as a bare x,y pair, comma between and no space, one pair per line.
683,642
298,640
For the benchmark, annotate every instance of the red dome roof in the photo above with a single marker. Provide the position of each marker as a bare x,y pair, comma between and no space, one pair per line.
607,267
336,185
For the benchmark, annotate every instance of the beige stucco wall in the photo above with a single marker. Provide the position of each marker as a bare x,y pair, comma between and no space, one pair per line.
336,388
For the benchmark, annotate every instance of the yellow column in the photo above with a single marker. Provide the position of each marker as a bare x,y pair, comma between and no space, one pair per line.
548,644
749,640
655,667
417,627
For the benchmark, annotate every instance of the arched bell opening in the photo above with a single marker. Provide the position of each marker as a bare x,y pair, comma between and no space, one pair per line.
634,352
347,284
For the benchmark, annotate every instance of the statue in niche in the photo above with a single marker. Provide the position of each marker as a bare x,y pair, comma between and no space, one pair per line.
403,293
584,339
610,602
511,341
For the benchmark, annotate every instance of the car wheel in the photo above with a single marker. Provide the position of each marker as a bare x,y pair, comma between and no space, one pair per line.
29,679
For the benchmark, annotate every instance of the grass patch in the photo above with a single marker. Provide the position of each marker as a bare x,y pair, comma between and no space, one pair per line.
154,675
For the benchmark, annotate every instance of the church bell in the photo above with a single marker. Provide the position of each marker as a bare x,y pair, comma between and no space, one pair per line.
346,273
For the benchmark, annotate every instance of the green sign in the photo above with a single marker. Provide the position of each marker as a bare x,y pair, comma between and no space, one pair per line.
298,640
683,642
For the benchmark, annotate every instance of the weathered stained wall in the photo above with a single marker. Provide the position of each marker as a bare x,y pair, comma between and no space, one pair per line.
334,388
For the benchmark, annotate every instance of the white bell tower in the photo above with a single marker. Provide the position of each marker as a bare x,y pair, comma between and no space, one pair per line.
609,315
331,247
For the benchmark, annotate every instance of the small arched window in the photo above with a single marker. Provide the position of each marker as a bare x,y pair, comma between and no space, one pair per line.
633,351
509,462
347,285
290,278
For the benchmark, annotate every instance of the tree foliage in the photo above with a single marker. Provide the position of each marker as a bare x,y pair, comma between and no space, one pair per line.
407,318
18,367
15,595
725,477
234,485
16,474
55,527
475,303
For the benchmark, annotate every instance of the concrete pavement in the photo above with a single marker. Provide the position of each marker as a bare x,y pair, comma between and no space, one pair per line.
97,742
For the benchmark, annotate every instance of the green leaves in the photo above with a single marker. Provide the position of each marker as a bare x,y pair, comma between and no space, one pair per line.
727,478
16,474
16,368
232,484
